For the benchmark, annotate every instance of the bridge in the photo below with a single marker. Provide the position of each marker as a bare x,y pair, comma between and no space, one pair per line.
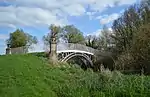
66,52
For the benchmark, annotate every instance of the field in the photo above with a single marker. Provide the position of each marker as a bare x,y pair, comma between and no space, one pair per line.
30,76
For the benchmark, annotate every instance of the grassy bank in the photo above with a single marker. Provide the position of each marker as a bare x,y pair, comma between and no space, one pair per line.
29,76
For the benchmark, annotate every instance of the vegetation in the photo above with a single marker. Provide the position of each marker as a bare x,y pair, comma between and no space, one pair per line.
102,42
72,35
131,35
19,38
92,41
29,76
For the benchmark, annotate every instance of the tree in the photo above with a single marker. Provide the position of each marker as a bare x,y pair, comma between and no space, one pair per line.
101,42
72,35
125,28
92,41
131,35
141,49
19,39
105,39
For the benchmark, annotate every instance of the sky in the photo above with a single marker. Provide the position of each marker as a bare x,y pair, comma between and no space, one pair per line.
35,16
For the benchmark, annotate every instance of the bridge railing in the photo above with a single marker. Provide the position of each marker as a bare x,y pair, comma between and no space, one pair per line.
60,47
71,46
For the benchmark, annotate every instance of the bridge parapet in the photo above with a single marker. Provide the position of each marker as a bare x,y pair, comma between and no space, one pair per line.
71,46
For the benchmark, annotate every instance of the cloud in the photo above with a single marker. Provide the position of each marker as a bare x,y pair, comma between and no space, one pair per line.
26,16
101,5
45,12
98,32
126,2
75,10
108,18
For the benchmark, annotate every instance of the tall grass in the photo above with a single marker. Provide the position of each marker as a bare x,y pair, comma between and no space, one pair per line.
29,76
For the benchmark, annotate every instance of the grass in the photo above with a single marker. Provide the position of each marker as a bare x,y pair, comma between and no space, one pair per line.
29,76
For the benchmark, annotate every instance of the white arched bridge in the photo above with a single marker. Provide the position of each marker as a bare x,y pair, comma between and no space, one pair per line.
67,51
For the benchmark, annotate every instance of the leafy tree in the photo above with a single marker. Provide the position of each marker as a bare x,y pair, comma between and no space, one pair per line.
101,42
125,28
105,39
72,35
141,49
144,11
92,41
131,35
19,38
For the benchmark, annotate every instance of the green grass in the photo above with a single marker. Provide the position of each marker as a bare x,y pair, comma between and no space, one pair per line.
29,76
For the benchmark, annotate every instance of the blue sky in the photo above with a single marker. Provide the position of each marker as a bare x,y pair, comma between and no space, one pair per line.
34,16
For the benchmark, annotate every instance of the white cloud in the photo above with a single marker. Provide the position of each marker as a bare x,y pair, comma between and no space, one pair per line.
75,10
91,15
126,2
101,5
96,33
44,12
26,16
108,19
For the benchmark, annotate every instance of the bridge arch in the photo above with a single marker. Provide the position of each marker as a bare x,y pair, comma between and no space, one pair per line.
79,55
